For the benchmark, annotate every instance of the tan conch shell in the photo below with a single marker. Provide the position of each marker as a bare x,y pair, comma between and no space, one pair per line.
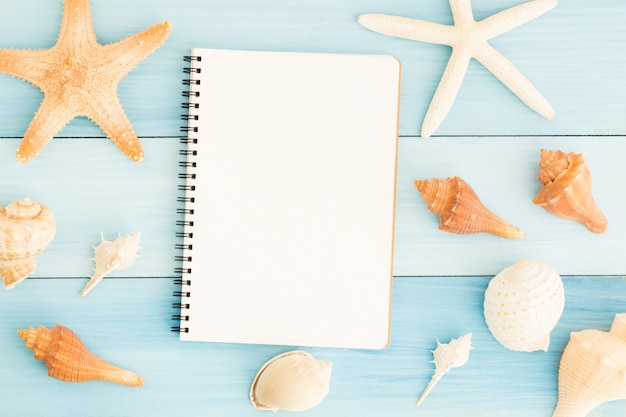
112,255
69,360
26,229
447,356
566,190
459,209
291,381
522,305
592,370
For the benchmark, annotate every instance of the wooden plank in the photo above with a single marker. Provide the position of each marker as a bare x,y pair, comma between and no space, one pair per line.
92,187
126,322
111,193
571,54
503,172
577,70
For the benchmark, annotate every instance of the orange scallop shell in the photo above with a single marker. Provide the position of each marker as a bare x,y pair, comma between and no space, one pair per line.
67,358
566,190
460,210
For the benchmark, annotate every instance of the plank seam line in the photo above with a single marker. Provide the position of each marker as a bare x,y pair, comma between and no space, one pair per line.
521,136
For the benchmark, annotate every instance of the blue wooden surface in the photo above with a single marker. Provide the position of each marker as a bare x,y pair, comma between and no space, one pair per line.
573,54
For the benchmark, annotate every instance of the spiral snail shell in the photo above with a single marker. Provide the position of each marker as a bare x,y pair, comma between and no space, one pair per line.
566,189
460,210
26,229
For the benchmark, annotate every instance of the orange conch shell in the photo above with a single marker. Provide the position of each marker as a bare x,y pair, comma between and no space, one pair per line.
69,360
26,228
592,370
566,190
459,209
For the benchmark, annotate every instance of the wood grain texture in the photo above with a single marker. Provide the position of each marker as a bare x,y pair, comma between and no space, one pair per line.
573,54
197,379
91,189
503,173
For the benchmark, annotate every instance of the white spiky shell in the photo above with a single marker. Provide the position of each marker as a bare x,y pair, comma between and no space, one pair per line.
447,356
592,370
113,255
291,381
522,305
26,229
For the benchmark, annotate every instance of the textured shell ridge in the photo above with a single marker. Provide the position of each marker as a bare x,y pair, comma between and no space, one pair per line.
26,229
566,190
67,358
523,303
592,370
460,210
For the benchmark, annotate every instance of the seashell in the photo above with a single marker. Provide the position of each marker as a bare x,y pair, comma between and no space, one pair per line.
26,229
291,381
69,360
459,209
592,370
447,356
112,255
566,190
522,305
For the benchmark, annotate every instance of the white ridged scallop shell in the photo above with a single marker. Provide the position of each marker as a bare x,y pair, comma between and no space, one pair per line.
113,255
522,305
26,229
291,381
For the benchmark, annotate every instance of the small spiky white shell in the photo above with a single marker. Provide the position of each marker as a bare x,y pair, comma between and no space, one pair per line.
447,356
113,255
291,381
522,305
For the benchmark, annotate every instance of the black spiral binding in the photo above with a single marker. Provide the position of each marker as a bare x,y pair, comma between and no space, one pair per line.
187,188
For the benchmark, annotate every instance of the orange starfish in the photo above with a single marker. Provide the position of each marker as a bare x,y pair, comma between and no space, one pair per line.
79,77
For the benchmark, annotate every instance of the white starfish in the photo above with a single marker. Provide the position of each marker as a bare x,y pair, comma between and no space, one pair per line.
468,39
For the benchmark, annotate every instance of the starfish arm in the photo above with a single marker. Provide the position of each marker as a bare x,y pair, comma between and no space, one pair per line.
508,19
76,26
124,55
462,12
48,121
511,77
107,112
446,91
406,28
28,65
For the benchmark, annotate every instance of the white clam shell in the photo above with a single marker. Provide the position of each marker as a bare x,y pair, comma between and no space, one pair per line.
291,381
522,305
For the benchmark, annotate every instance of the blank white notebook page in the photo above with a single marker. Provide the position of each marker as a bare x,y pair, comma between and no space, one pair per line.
294,201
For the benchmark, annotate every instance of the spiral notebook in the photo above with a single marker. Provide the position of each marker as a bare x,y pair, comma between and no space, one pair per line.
289,198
